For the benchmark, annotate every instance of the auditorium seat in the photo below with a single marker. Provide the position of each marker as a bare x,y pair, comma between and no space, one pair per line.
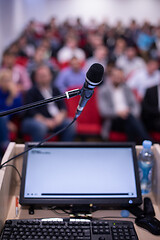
89,122
155,136
66,64
22,61
27,138
12,136
115,136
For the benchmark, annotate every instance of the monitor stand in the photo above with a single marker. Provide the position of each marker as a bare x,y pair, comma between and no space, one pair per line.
74,210
148,209
31,210
82,211
136,211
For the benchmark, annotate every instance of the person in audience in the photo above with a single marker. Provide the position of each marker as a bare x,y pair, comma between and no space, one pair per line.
25,49
151,108
52,36
144,78
130,62
31,33
93,41
145,40
46,44
119,108
71,77
9,98
51,117
39,59
110,39
19,74
100,56
118,50
132,32
155,48
13,48
70,50
119,28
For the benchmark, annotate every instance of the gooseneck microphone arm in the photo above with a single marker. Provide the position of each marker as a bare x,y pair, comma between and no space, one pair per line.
67,95
94,77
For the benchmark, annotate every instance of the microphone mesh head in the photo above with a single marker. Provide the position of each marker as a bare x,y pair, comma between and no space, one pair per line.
95,74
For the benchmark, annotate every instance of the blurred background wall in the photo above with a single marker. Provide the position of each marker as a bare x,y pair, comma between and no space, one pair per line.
14,14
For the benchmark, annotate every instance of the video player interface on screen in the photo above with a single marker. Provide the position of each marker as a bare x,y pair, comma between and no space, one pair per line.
80,173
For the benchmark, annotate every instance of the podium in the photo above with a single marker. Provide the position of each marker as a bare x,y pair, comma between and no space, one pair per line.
10,188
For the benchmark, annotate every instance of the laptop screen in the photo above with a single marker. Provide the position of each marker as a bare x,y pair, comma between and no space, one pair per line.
79,173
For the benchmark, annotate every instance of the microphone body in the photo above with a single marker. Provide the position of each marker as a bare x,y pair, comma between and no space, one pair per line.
93,78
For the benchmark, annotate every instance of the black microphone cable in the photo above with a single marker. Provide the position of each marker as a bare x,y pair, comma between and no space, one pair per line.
11,165
39,144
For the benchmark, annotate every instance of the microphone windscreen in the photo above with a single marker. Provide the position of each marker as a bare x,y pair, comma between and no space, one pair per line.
95,73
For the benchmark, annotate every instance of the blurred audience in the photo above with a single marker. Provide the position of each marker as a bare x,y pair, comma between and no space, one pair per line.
132,32
50,117
129,61
70,50
9,98
145,39
53,38
71,47
71,77
19,74
100,55
93,41
155,48
118,50
110,39
25,49
119,108
40,58
144,78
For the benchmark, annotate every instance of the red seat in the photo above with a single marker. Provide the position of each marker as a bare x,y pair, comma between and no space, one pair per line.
117,136
12,136
22,61
27,138
122,137
155,136
67,64
89,122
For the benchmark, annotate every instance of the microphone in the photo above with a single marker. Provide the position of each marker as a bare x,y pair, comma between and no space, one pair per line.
93,78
